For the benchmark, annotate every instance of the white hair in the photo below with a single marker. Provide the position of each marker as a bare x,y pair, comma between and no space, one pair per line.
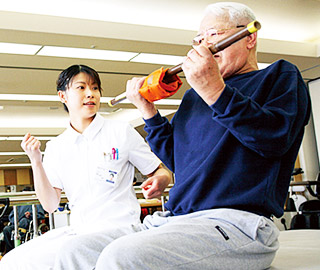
235,13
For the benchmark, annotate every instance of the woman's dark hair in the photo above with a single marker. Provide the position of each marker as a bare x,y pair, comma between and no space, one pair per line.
68,74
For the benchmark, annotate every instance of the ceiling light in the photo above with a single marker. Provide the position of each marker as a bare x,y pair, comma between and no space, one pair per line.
21,138
105,99
16,48
15,165
157,59
14,153
263,65
86,53
18,97
168,101
29,97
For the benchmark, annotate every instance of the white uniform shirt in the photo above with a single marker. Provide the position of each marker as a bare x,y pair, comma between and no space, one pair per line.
96,171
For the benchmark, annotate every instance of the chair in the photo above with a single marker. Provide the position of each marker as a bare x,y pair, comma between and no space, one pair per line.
308,216
42,228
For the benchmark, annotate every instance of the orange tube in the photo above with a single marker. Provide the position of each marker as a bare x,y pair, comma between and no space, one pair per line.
164,83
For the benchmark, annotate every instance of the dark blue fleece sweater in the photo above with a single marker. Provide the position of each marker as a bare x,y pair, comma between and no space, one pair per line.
238,153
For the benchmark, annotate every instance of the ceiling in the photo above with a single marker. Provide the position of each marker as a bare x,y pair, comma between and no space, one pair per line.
290,30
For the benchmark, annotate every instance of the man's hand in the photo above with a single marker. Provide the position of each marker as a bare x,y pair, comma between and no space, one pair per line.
203,74
27,214
147,109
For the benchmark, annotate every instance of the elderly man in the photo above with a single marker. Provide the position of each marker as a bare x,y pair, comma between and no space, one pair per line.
232,145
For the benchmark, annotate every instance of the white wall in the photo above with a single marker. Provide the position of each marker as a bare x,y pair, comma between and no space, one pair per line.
310,147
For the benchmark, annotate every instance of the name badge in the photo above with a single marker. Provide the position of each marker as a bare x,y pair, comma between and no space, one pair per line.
106,175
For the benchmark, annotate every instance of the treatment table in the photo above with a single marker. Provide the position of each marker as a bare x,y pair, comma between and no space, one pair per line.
299,250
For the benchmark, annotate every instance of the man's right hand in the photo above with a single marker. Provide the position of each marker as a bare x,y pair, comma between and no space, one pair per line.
147,109
27,214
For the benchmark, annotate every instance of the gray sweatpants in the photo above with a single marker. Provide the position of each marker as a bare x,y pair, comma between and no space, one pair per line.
211,239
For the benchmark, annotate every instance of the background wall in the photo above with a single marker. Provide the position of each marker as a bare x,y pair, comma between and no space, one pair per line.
310,147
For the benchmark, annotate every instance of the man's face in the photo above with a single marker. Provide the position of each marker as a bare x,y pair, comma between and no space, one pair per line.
232,60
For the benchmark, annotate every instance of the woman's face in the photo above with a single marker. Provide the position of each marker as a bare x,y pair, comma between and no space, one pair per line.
82,96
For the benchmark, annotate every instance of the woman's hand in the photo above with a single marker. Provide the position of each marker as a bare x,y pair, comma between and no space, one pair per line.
32,148
154,186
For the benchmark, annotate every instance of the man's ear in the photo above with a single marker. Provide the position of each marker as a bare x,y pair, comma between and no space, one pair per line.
252,41
62,96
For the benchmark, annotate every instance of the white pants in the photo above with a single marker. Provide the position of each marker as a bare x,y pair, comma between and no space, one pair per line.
43,252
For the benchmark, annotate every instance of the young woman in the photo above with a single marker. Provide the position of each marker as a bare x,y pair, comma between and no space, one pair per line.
93,162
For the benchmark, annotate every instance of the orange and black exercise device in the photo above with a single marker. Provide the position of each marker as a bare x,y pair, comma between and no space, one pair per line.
164,83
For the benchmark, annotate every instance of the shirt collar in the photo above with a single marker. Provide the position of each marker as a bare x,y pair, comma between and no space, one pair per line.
90,132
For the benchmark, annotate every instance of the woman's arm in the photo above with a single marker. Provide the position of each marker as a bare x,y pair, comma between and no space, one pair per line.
156,183
48,196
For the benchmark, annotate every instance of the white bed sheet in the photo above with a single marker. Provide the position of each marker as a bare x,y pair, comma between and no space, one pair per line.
299,250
